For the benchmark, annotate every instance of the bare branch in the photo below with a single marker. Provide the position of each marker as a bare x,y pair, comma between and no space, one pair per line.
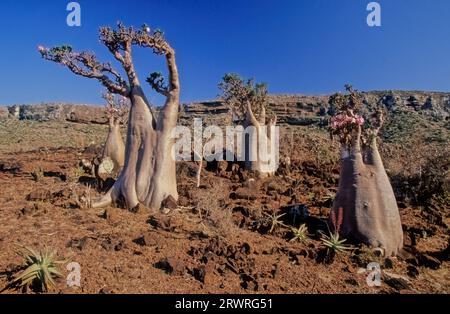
120,42
151,39
262,115
239,95
250,116
86,64
156,81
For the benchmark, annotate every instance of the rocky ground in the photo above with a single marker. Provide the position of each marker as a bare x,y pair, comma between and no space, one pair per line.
218,239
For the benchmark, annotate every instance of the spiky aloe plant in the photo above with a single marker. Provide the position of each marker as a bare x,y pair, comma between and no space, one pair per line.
329,197
274,221
300,234
334,243
41,269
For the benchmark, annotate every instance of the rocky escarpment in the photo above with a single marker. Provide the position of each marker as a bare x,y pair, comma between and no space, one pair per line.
290,109
58,112
315,110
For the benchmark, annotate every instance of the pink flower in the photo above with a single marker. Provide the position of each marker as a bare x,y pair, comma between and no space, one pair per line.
342,120
359,120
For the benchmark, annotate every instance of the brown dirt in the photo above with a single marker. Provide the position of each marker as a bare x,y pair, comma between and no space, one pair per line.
212,243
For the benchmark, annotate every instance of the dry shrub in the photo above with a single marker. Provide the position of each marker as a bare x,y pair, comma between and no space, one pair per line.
420,172
38,173
213,211
80,195
74,174
312,149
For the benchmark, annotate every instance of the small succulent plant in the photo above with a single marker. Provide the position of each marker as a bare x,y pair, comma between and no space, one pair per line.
334,243
329,197
37,174
300,234
274,221
40,269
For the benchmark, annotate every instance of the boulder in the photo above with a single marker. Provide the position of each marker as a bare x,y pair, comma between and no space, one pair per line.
4,112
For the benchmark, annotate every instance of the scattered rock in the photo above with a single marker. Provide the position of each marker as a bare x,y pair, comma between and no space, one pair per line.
429,103
40,194
11,166
64,193
106,290
169,203
352,281
249,282
378,252
119,246
4,113
140,241
172,266
274,271
428,261
246,248
412,271
146,240
245,194
111,215
78,244
222,165
158,223
199,273
104,215
388,263
361,271
398,283
251,184
164,222
111,244
395,281
105,169
136,209
29,210
92,150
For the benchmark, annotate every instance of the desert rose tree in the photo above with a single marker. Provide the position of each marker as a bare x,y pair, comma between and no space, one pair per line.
148,176
365,195
116,111
248,104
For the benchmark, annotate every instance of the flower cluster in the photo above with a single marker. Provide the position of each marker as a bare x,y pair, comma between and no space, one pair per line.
42,49
116,107
341,121
337,221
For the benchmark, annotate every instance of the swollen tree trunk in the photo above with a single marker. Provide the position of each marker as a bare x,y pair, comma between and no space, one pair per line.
260,145
149,173
370,212
114,146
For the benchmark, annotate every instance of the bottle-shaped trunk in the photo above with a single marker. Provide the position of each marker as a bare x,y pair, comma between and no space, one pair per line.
148,176
367,200
260,145
114,147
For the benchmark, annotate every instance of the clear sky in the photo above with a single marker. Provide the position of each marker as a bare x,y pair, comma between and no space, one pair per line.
297,46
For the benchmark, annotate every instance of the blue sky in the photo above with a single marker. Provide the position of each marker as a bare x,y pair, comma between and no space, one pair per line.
309,47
